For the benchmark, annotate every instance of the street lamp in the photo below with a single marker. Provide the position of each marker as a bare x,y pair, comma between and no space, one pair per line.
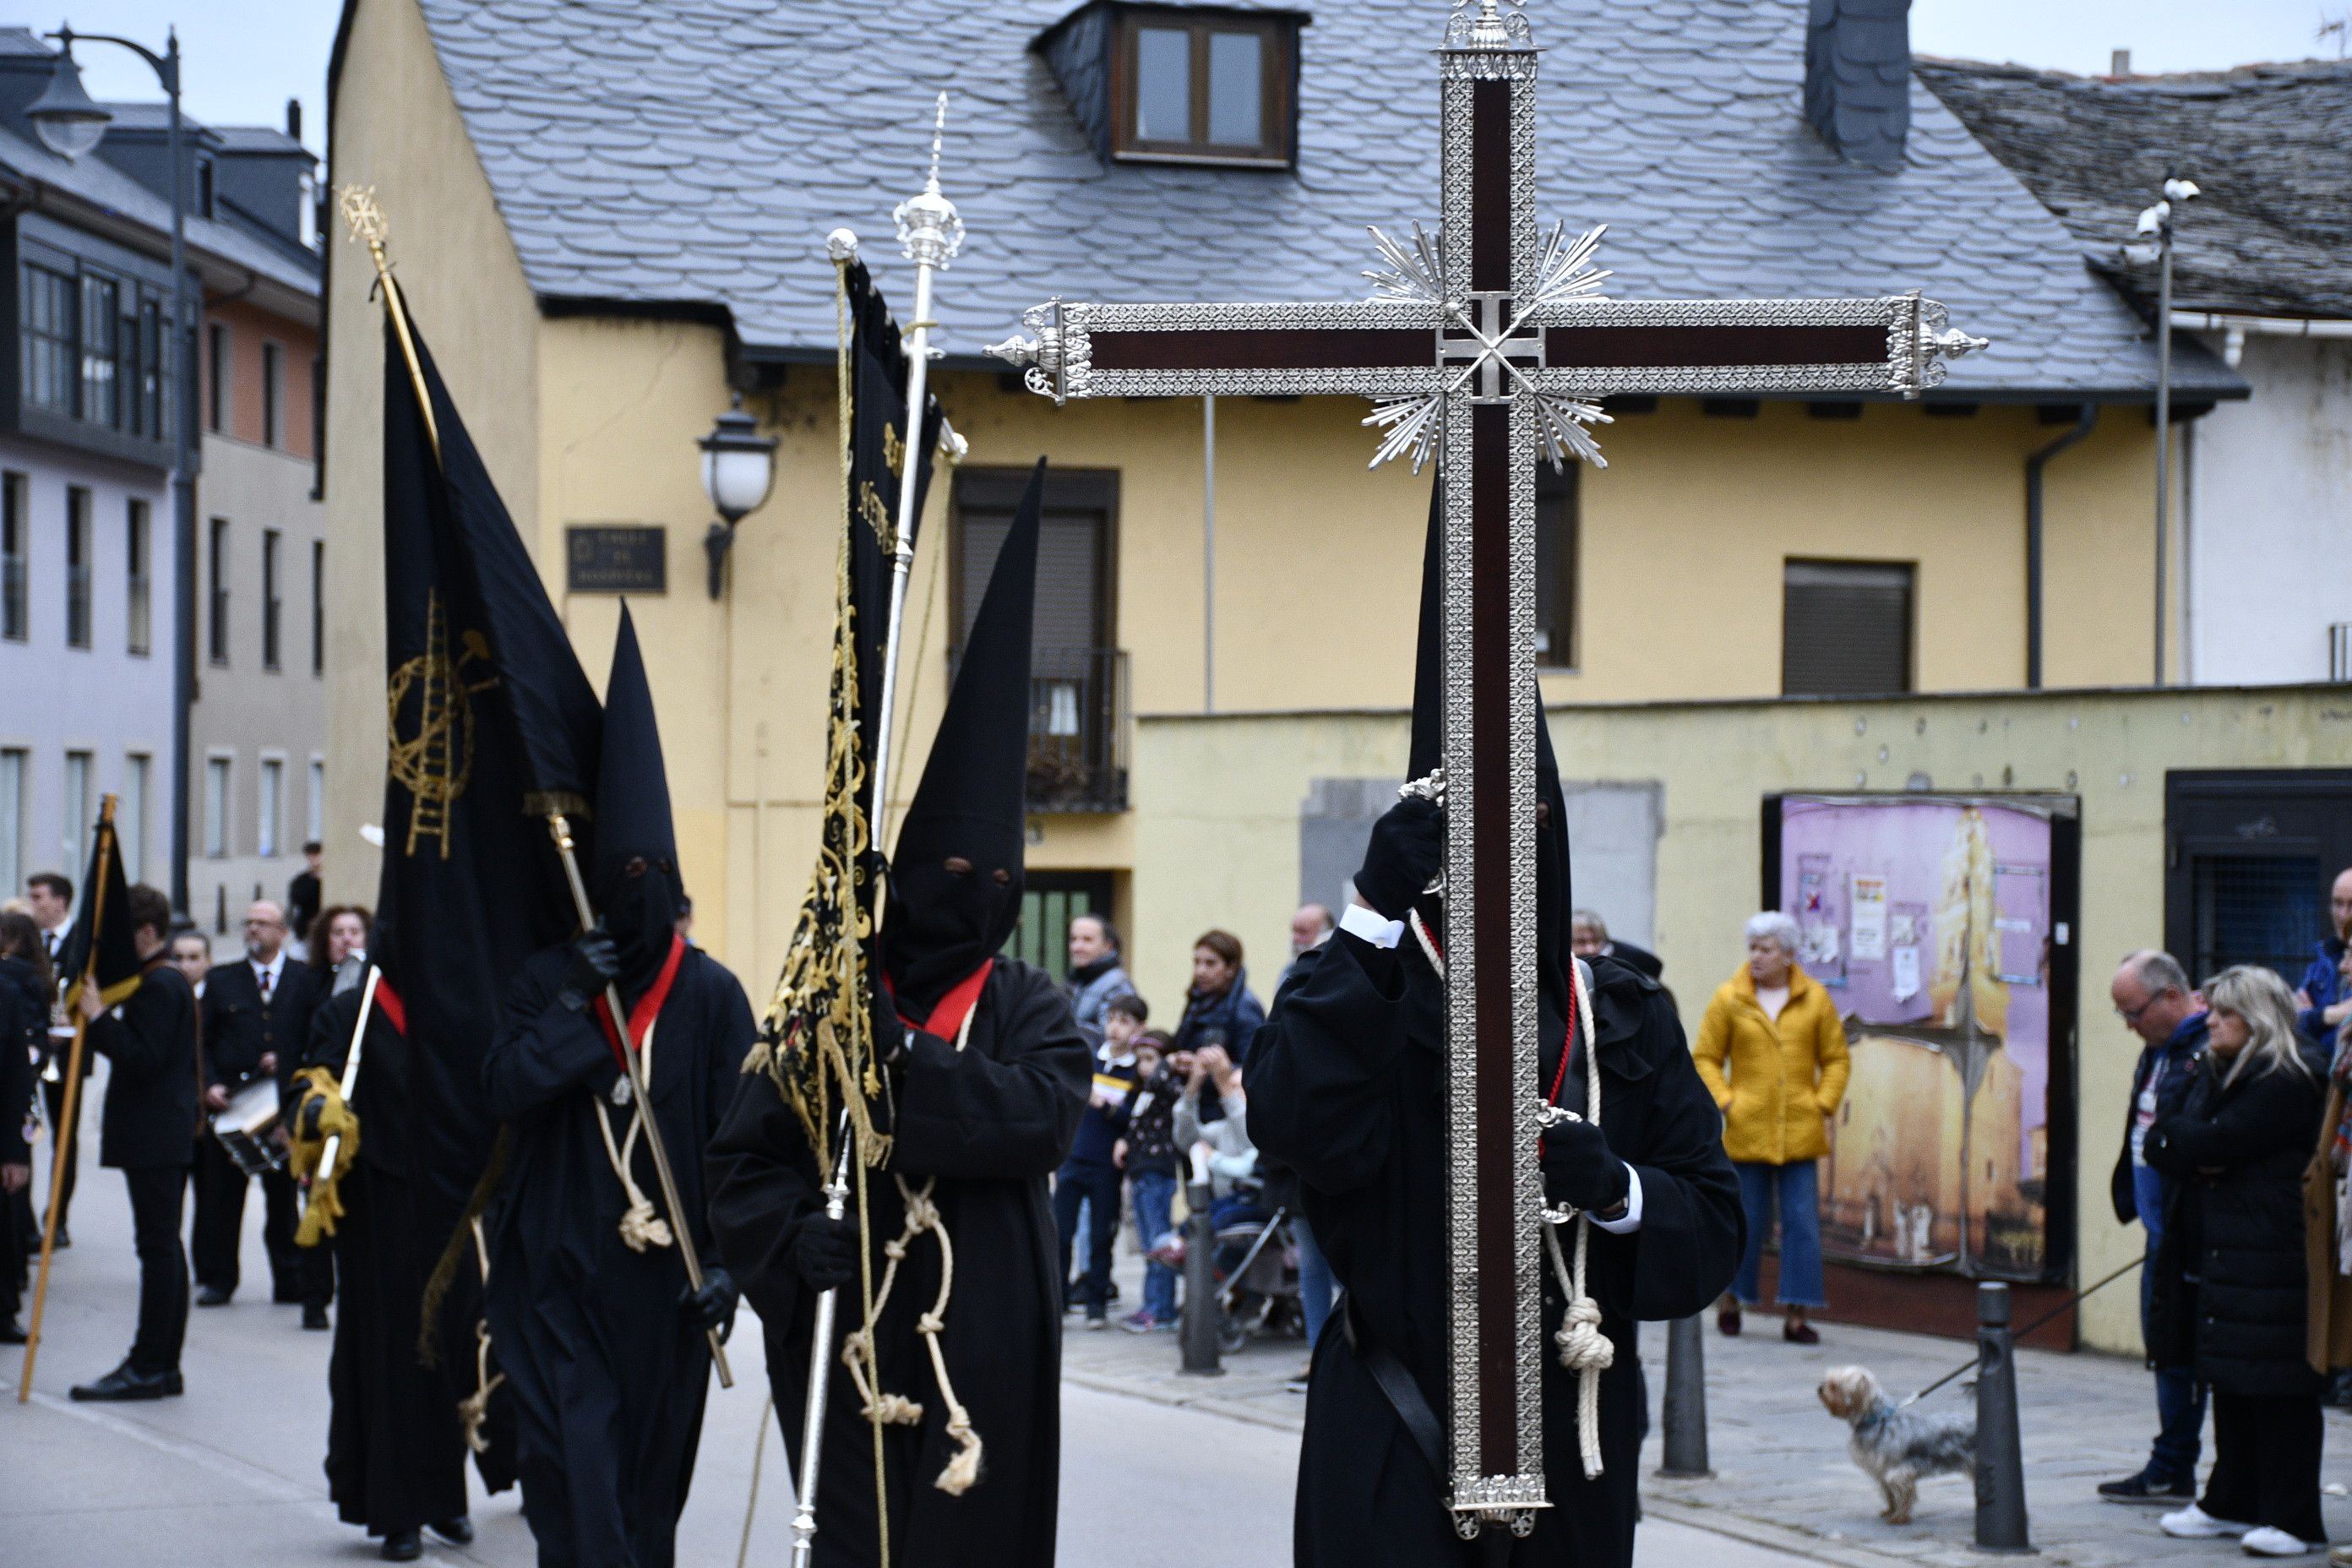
738,467
71,125
2154,244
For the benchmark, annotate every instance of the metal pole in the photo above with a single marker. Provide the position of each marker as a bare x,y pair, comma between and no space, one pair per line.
1200,1312
351,1071
180,386
1685,1403
930,233
2001,1460
836,1197
1209,553
680,1231
2163,424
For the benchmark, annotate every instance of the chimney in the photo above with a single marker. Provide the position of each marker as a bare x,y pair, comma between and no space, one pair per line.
294,119
2119,63
1858,78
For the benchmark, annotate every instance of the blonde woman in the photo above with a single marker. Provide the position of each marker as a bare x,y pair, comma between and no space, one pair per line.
2231,1283
1772,1051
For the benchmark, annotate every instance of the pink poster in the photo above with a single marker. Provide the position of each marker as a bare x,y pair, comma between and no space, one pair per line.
1930,921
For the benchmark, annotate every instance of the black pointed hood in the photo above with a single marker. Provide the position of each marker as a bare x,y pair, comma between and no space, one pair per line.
971,805
1554,890
633,819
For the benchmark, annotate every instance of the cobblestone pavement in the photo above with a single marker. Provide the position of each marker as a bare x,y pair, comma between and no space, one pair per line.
1782,1479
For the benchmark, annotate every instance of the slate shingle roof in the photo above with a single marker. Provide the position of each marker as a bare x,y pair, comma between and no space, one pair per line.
2270,145
658,153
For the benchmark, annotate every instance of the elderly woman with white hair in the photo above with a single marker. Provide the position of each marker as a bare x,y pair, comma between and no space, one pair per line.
1772,1051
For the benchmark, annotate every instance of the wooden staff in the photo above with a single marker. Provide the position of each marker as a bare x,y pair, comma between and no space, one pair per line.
560,828
61,1141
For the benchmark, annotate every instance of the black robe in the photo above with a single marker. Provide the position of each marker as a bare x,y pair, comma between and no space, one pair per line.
1347,1086
396,1448
992,1122
609,1379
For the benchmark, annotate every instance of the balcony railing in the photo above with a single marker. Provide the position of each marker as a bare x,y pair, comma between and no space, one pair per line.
1079,724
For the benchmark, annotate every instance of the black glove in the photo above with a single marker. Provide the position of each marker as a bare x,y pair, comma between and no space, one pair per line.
1579,1168
713,1306
1408,845
826,1252
588,968
889,1031
313,1110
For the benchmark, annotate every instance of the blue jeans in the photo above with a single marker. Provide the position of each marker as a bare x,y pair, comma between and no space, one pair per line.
1800,1231
1155,1196
1097,1186
1314,1278
2179,1398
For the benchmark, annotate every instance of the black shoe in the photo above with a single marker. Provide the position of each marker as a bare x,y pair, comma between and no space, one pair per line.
315,1316
2340,1390
2148,1486
286,1296
65,1239
12,1332
401,1546
457,1531
123,1384
213,1296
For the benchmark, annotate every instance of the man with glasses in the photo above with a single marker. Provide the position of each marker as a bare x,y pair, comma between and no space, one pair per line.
2153,998
257,1023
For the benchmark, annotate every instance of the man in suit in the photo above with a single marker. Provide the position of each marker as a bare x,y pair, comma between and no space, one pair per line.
146,1131
48,897
257,1024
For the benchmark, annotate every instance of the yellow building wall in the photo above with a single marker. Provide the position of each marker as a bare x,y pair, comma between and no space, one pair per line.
1217,835
394,126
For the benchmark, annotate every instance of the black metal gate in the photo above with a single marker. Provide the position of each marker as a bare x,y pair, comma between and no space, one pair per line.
2249,856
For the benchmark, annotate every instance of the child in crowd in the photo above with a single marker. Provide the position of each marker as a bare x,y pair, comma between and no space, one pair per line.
1147,1154
1089,1178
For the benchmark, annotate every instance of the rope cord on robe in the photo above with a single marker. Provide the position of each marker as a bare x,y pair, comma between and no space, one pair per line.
474,1410
640,1227
1584,1347
857,1351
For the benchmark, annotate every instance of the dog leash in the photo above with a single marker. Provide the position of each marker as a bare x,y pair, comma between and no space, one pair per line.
2063,1307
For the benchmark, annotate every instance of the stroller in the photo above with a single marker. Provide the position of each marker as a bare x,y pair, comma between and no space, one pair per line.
1257,1266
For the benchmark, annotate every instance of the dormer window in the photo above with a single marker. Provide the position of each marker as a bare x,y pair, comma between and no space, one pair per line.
1203,87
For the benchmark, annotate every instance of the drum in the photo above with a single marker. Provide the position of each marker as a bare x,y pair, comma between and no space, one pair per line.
245,1129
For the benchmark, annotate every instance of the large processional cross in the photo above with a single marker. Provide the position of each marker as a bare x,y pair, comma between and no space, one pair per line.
1488,344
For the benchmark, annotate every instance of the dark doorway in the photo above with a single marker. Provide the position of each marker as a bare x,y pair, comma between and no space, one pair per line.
1049,900
2248,859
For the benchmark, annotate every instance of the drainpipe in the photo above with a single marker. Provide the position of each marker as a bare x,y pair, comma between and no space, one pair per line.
1209,553
2034,466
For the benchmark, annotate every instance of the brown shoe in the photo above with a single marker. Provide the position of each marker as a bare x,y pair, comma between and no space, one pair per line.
1727,1322
1799,1333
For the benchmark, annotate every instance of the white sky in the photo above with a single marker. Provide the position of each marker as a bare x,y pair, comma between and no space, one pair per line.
246,57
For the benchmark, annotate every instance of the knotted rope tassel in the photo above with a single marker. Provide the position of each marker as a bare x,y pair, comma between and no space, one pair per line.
857,1348
475,1408
640,1227
1584,1350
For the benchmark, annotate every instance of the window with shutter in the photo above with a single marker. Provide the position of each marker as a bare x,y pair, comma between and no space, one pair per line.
1845,628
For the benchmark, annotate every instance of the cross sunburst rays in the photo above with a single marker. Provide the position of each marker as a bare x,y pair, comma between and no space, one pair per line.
1415,274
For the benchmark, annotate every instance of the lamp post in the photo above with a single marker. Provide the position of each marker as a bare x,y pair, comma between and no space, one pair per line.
738,467
70,125
2156,221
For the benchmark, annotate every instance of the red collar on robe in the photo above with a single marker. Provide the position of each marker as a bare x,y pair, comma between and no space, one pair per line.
388,1003
946,1019
641,1017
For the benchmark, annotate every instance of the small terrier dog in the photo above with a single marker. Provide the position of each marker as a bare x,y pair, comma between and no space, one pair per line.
1892,1446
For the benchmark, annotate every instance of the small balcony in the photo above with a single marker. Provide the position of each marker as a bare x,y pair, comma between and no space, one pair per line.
1079,728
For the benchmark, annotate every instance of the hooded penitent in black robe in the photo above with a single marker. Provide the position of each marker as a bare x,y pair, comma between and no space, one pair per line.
609,1369
1348,1089
989,1123
396,1448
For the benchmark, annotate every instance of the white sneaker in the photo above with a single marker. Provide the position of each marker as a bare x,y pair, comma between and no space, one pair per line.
2193,1523
2269,1541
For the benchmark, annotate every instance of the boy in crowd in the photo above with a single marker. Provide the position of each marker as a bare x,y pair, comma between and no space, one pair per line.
1148,1155
1090,1176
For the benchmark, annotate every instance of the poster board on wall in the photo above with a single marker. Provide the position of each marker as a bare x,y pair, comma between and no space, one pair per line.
1945,928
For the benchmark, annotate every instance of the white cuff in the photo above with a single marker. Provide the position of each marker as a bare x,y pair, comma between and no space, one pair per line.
1368,925
1630,1220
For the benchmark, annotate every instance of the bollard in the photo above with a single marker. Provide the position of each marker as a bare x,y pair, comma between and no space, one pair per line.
1198,1329
2000,1459
1686,1404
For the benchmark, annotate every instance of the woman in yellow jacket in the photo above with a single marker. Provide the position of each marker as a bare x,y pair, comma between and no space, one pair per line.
1772,1051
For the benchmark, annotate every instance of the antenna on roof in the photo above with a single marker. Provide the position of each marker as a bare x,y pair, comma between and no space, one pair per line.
939,130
